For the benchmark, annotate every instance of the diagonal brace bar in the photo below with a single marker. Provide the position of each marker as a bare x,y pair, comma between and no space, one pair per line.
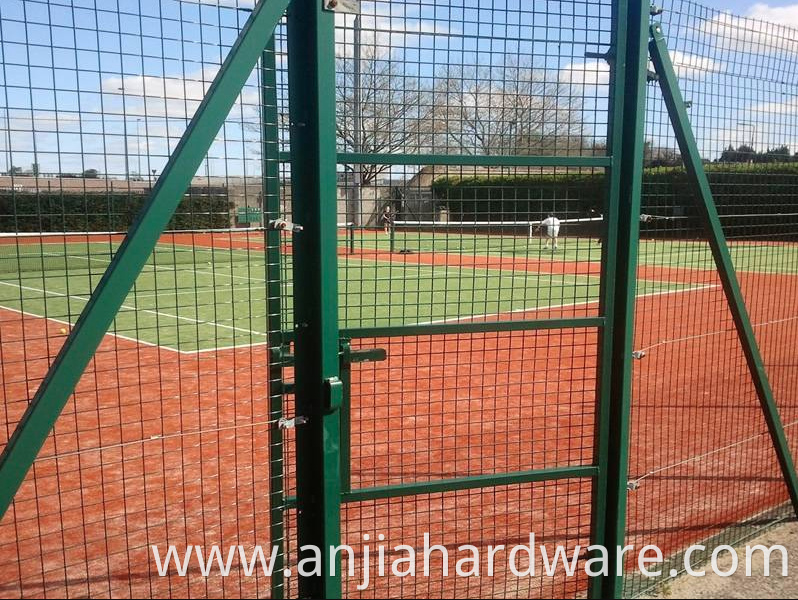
677,111
98,314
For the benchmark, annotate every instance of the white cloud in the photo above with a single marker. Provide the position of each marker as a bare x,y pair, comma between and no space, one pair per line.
788,107
381,35
783,15
591,73
172,97
756,32
692,66
595,73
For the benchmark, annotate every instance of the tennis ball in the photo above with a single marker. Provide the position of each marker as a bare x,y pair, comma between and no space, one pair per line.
63,331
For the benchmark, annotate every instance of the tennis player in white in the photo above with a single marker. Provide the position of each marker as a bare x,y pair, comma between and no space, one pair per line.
551,231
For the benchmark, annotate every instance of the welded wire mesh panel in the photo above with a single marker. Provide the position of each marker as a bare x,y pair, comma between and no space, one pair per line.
703,465
493,516
453,244
449,77
524,401
447,221
165,441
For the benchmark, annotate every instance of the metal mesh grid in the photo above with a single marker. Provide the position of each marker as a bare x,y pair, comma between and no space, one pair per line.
476,252
437,76
703,465
490,516
429,94
164,441
404,429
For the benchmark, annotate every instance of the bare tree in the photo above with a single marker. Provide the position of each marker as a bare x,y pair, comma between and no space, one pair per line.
389,112
506,110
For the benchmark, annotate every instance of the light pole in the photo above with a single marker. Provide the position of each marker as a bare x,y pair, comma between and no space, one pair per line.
124,133
138,146
752,125
7,123
357,125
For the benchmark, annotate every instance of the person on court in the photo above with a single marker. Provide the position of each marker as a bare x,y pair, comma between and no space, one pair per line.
551,231
386,219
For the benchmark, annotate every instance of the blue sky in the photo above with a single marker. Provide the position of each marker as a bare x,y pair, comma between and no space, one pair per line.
89,88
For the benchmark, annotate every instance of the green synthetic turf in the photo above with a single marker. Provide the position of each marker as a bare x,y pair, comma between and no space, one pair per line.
761,257
199,299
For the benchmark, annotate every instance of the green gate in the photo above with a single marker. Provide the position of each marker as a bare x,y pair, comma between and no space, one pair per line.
419,392
437,376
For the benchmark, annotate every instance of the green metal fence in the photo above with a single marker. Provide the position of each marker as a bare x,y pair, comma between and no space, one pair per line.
485,287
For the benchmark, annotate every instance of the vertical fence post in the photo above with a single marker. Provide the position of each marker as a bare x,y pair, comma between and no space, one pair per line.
628,57
677,111
311,79
270,148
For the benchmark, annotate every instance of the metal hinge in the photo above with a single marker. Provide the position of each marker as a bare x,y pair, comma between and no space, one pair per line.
284,423
343,6
607,56
283,225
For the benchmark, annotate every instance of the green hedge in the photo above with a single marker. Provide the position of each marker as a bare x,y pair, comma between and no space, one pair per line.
757,189
201,208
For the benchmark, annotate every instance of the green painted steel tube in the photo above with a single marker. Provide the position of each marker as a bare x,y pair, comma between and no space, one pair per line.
474,160
622,211
116,283
311,88
270,167
677,111
346,416
467,483
350,158
472,327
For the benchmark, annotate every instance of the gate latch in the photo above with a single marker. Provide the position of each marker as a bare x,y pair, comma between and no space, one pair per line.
334,392
349,356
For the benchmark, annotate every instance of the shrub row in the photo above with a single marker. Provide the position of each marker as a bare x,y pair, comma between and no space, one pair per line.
201,208
755,199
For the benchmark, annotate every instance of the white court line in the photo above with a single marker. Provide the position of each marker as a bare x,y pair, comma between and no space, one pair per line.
417,266
568,305
135,309
70,324
488,272
136,340
714,333
172,269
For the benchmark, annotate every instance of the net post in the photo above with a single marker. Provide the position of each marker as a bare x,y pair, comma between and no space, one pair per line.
318,389
628,63
98,314
677,112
